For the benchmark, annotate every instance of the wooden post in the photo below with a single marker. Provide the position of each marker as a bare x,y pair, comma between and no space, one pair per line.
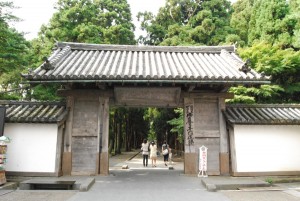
103,122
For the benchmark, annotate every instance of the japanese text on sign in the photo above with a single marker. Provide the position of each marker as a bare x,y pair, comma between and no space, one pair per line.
202,160
189,122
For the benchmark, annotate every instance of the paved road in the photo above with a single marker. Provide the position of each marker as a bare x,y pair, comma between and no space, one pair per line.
160,183
150,184
260,196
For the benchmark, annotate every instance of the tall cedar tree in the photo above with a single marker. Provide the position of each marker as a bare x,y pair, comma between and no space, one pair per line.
187,22
241,17
294,6
13,53
273,50
270,22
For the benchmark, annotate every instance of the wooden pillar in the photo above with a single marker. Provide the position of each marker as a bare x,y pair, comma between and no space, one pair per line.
67,154
103,122
190,156
224,147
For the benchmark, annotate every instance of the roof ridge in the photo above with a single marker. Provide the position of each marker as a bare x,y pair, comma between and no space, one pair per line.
13,102
113,47
261,105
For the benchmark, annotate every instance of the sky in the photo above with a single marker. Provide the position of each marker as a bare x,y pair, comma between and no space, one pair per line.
34,13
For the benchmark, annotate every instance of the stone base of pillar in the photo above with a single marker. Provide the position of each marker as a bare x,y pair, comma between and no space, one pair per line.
191,163
104,164
224,163
67,163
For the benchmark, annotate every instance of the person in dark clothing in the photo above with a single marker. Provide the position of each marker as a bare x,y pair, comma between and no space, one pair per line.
165,152
145,152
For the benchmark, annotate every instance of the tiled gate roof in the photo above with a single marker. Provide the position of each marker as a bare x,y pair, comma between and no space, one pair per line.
263,114
76,62
34,112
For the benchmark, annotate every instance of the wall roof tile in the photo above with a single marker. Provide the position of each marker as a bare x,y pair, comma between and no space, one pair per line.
34,112
263,114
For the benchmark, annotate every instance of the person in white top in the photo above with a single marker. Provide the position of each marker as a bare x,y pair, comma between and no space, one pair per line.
153,153
145,152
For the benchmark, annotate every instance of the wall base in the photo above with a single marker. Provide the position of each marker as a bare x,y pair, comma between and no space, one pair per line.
32,174
254,174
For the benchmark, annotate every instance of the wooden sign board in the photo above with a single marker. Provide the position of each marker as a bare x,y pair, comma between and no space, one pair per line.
202,161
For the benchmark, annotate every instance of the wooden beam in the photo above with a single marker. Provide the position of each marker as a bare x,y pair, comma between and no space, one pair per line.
147,96
86,92
207,95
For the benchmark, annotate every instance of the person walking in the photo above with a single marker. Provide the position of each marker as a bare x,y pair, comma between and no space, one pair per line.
145,152
165,152
153,153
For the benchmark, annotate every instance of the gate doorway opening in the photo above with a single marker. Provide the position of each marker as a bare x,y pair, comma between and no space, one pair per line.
130,126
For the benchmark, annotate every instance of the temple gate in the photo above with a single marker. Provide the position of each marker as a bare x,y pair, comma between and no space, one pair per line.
95,77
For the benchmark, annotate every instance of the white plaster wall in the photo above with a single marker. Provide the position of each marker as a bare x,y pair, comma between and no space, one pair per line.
266,148
33,147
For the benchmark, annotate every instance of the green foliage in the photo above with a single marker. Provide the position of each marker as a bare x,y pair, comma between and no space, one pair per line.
272,60
127,128
234,39
270,180
177,125
283,65
10,96
251,95
45,92
157,119
13,53
294,14
187,22
275,22
270,22
150,115
240,19
101,21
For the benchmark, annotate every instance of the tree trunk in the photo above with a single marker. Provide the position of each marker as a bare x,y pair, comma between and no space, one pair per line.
119,143
111,146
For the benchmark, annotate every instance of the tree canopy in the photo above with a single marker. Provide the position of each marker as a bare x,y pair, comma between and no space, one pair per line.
269,30
13,53
187,22
99,21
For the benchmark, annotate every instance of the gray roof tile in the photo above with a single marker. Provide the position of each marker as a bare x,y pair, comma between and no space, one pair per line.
109,63
34,112
263,114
